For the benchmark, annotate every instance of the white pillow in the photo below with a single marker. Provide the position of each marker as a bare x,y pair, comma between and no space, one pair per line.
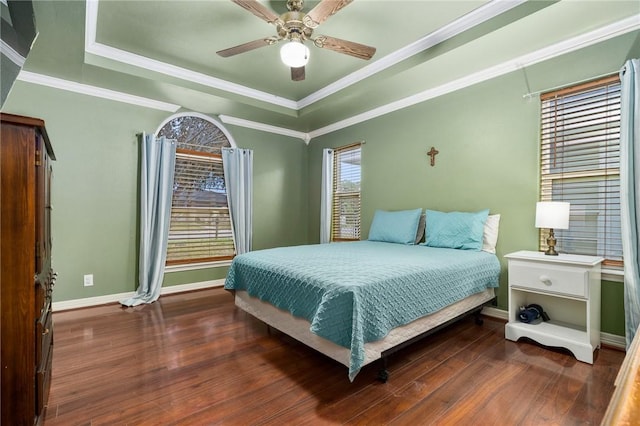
490,236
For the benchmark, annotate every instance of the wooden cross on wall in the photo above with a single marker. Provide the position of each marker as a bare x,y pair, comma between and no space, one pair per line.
432,153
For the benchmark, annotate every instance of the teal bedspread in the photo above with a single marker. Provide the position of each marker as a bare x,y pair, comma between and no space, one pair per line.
356,292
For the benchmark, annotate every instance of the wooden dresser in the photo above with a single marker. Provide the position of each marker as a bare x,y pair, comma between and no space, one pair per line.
26,277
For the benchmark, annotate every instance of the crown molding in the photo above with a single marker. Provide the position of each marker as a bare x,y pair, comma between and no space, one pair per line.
470,20
10,53
71,86
98,92
93,47
226,119
173,71
90,22
613,30
475,17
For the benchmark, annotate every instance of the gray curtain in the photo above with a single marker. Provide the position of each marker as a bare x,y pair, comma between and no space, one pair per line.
238,177
629,187
157,167
326,198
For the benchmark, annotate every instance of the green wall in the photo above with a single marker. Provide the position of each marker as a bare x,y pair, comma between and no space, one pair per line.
612,318
94,197
487,136
279,187
487,139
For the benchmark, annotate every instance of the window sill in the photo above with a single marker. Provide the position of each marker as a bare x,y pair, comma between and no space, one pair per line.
196,266
612,274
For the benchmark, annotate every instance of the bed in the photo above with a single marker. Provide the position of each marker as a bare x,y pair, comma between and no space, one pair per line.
357,301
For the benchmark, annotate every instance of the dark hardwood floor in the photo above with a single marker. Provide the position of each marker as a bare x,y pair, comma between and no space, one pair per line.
194,359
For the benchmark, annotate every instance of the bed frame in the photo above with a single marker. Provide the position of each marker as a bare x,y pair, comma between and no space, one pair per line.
398,338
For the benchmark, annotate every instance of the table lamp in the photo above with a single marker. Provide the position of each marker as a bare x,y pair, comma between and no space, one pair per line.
552,215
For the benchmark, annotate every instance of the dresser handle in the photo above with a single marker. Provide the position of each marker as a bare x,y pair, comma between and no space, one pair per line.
45,332
545,280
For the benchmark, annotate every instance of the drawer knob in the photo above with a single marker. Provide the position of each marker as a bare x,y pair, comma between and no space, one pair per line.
45,332
544,279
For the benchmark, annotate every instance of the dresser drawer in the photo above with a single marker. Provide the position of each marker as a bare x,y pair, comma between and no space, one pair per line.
560,279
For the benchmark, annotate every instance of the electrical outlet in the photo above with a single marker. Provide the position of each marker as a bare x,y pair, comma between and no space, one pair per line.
88,280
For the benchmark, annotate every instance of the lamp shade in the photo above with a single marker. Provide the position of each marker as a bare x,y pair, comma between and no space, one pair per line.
294,54
552,214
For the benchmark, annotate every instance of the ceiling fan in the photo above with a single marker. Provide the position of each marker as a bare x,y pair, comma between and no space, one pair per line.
295,27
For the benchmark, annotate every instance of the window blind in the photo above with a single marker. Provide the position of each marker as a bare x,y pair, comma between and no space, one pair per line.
345,224
200,228
580,164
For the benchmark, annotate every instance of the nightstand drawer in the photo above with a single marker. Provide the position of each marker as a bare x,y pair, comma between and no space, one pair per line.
548,277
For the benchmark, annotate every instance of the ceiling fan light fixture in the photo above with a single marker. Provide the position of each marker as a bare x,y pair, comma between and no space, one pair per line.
294,54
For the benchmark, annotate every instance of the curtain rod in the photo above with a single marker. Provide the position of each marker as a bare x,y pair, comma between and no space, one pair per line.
532,94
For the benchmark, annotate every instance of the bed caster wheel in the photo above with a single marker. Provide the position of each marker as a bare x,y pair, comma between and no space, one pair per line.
383,375
479,321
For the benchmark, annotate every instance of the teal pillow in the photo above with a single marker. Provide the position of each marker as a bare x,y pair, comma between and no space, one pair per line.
395,227
455,230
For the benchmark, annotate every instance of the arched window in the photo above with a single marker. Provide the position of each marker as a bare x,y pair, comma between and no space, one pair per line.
200,230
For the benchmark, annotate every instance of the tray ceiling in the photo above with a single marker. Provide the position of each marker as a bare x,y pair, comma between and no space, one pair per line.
166,51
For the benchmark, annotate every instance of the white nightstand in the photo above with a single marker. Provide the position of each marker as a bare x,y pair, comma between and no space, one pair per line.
567,286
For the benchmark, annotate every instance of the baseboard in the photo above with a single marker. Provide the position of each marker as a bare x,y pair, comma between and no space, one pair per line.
613,341
115,298
607,339
495,313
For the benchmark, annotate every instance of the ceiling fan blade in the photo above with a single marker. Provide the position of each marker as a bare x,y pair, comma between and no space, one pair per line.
241,48
297,74
322,11
257,9
343,46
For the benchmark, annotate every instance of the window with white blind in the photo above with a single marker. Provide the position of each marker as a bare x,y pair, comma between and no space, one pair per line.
200,229
345,222
580,164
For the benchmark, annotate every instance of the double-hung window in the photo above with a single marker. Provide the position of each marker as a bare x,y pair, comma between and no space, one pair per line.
580,164
200,230
345,223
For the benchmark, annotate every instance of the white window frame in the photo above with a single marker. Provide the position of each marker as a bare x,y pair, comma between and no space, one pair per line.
610,272
337,196
232,142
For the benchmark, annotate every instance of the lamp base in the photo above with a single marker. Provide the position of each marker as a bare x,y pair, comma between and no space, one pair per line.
551,244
